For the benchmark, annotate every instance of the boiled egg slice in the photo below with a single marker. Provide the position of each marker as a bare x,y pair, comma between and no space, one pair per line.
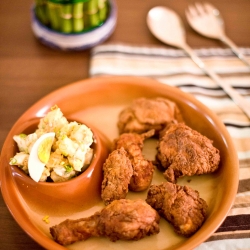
39,155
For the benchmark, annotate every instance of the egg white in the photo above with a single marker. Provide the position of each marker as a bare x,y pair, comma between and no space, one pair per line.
35,166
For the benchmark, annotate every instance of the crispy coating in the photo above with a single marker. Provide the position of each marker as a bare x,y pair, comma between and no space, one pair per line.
121,220
145,114
184,151
117,171
143,169
181,206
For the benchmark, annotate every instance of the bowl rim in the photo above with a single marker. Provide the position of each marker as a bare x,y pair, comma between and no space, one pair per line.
95,83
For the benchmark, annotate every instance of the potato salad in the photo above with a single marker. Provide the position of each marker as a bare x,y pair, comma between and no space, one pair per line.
64,152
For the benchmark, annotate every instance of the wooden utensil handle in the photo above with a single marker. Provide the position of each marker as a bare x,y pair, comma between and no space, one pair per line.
238,99
235,49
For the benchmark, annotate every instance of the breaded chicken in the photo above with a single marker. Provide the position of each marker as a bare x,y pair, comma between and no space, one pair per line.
121,220
117,172
184,151
181,206
145,114
143,169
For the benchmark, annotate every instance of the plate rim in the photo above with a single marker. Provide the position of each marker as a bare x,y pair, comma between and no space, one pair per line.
38,236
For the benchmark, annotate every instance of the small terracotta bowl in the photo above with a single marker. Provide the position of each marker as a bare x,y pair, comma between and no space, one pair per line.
76,194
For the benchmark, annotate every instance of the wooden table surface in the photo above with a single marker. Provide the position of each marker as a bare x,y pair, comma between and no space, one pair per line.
30,70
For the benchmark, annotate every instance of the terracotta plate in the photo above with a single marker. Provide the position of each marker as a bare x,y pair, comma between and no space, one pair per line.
98,101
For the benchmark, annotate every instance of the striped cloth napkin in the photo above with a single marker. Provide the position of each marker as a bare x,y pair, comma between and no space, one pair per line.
174,67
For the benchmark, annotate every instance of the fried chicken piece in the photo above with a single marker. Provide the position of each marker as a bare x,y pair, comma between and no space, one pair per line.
184,151
121,220
143,169
117,171
145,114
181,206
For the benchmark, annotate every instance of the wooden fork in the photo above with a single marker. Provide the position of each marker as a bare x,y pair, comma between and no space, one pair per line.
206,20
